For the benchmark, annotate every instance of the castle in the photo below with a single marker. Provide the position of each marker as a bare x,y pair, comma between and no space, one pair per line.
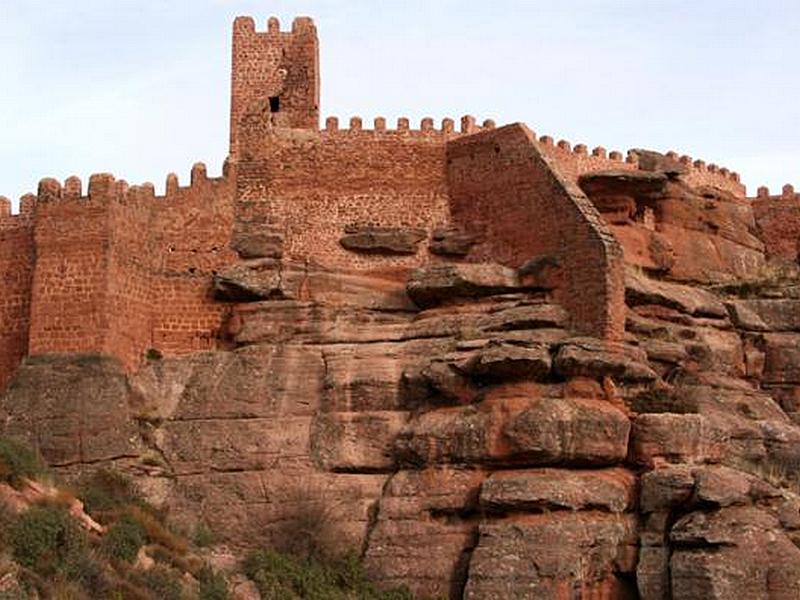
116,269
511,367
119,270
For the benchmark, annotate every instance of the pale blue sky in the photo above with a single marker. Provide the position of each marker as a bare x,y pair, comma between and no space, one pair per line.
140,88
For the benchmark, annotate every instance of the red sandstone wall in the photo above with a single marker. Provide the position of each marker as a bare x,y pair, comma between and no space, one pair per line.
70,283
16,272
274,64
311,185
121,270
190,238
778,219
503,190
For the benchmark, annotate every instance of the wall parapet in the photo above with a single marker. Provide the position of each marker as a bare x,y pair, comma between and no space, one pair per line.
247,25
105,187
576,160
788,194
427,128
778,220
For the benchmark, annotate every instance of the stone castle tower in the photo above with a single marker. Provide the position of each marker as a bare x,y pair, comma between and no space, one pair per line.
275,76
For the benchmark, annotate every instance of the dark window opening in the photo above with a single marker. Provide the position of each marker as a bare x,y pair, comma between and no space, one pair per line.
274,104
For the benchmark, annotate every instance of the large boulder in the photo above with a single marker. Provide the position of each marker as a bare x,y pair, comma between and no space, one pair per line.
512,429
589,357
500,360
690,300
419,538
382,240
535,490
432,285
736,552
779,314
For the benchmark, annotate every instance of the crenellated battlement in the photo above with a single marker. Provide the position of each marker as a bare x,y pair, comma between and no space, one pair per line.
22,218
599,152
427,127
576,159
778,218
788,194
105,188
247,26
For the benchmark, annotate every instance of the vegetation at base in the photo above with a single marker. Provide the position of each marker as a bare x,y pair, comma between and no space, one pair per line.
203,536
46,538
104,491
282,577
57,558
162,582
213,585
18,461
124,538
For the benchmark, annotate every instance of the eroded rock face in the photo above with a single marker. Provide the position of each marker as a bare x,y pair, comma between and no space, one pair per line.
451,242
433,285
72,409
554,554
667,226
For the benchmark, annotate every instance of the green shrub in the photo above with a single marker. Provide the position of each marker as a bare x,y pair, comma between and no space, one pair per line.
279,576
45,538
203,536
86,570
213,585
124,538
158,530
7,519
163,582
17,461
106,490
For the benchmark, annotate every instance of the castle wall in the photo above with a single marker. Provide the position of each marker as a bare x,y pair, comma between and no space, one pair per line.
190,238
505,193
131,276
778,219
70,283
313,185
121,271
16,272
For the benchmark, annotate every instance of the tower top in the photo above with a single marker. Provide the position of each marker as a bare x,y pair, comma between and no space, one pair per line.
274,76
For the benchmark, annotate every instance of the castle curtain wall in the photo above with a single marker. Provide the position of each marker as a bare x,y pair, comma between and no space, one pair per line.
16,267
505,192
